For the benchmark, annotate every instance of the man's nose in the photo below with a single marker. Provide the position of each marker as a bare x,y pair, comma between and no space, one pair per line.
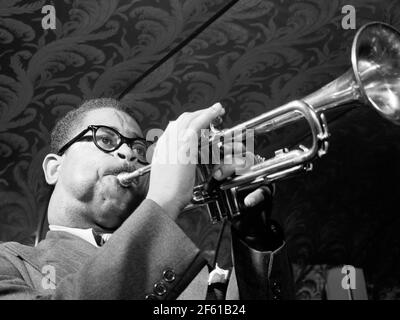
126,153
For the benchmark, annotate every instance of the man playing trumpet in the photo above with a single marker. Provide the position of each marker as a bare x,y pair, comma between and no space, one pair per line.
143,253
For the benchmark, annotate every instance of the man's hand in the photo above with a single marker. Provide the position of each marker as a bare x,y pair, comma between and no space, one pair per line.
171,181
236,158
175,156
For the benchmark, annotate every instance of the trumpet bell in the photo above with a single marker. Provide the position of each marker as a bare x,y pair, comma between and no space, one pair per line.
376,63
373,79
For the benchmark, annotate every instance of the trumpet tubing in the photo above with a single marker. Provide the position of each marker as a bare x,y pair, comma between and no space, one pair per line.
373,79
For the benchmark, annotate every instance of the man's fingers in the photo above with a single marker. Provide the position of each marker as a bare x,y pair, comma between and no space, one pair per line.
233,164
189,124
255,197
228,167
202,119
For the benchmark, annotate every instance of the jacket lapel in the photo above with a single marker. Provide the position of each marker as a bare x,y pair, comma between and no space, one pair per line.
61,250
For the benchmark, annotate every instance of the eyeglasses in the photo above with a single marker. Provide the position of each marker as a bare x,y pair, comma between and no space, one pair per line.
108,139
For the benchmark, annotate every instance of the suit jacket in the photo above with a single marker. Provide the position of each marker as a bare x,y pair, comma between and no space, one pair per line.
148,257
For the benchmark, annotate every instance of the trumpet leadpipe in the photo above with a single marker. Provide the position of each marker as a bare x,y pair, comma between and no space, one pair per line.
127,178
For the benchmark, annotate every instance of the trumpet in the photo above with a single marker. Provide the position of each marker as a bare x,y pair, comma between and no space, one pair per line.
373,80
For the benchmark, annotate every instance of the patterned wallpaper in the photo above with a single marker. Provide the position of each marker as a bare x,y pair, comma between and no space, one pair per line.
181,55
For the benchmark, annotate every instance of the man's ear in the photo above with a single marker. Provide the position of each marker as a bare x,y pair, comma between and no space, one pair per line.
51,165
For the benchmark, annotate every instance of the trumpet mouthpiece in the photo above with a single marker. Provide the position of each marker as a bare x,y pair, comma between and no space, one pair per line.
127,178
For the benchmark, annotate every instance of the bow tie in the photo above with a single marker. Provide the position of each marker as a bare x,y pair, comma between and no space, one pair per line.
100,238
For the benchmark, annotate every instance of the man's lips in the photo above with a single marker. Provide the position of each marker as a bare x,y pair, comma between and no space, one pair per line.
123,172
126,181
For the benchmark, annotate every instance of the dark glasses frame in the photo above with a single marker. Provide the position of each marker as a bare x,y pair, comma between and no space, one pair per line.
94,128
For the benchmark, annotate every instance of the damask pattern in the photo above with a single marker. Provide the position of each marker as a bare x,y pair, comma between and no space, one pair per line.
256,56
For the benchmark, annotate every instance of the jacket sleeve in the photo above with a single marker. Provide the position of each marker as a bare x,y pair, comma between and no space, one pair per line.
149,256
261,264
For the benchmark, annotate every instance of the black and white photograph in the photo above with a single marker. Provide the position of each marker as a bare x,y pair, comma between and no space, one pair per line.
200,150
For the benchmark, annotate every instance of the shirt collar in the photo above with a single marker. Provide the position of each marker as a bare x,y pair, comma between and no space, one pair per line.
85,234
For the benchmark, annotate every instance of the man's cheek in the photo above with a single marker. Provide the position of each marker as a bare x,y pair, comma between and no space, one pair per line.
81,181
108,187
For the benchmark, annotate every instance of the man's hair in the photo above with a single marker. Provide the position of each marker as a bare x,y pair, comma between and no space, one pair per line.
65,126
